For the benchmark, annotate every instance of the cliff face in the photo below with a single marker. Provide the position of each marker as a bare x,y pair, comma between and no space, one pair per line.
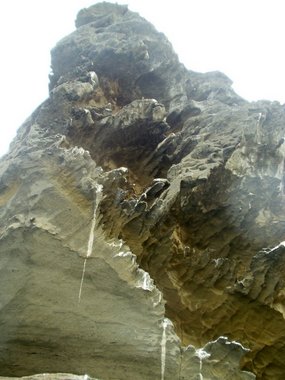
142,218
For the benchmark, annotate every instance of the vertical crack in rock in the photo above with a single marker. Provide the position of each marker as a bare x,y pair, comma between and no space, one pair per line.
187,219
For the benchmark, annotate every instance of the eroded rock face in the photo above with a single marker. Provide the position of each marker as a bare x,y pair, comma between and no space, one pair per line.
53,376
142,218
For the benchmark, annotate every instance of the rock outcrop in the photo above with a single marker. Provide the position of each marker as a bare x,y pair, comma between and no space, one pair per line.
142,218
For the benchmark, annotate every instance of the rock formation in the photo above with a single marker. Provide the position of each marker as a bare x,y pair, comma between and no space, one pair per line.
142,218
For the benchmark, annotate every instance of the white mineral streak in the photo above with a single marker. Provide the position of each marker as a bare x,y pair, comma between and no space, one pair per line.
130,271
116,244
259,124
281,166
282,244
144,281
165,323
201,354
226,341
159,299
98,198
129,255
82,279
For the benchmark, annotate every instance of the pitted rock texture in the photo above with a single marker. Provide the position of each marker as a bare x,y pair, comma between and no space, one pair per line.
142,193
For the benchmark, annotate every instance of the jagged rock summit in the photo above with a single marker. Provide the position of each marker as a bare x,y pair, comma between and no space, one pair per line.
142,218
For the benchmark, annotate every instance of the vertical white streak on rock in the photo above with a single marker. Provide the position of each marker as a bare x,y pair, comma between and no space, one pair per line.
82,279
281,165
202,354
91,234
200,369
98,198
260,122
166,322
145,282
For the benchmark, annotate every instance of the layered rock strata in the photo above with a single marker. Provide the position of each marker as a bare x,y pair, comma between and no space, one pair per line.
142,218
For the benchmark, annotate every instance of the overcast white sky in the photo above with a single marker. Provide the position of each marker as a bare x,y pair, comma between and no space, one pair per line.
242,38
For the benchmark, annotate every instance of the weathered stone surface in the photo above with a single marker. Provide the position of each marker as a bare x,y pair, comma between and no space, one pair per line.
53,376
141,193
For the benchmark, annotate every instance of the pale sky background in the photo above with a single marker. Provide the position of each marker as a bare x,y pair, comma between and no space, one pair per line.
242,38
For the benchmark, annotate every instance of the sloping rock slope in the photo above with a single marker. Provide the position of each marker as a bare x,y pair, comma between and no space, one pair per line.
142,213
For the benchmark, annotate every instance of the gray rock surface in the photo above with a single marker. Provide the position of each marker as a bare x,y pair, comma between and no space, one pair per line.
53,376
142,218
